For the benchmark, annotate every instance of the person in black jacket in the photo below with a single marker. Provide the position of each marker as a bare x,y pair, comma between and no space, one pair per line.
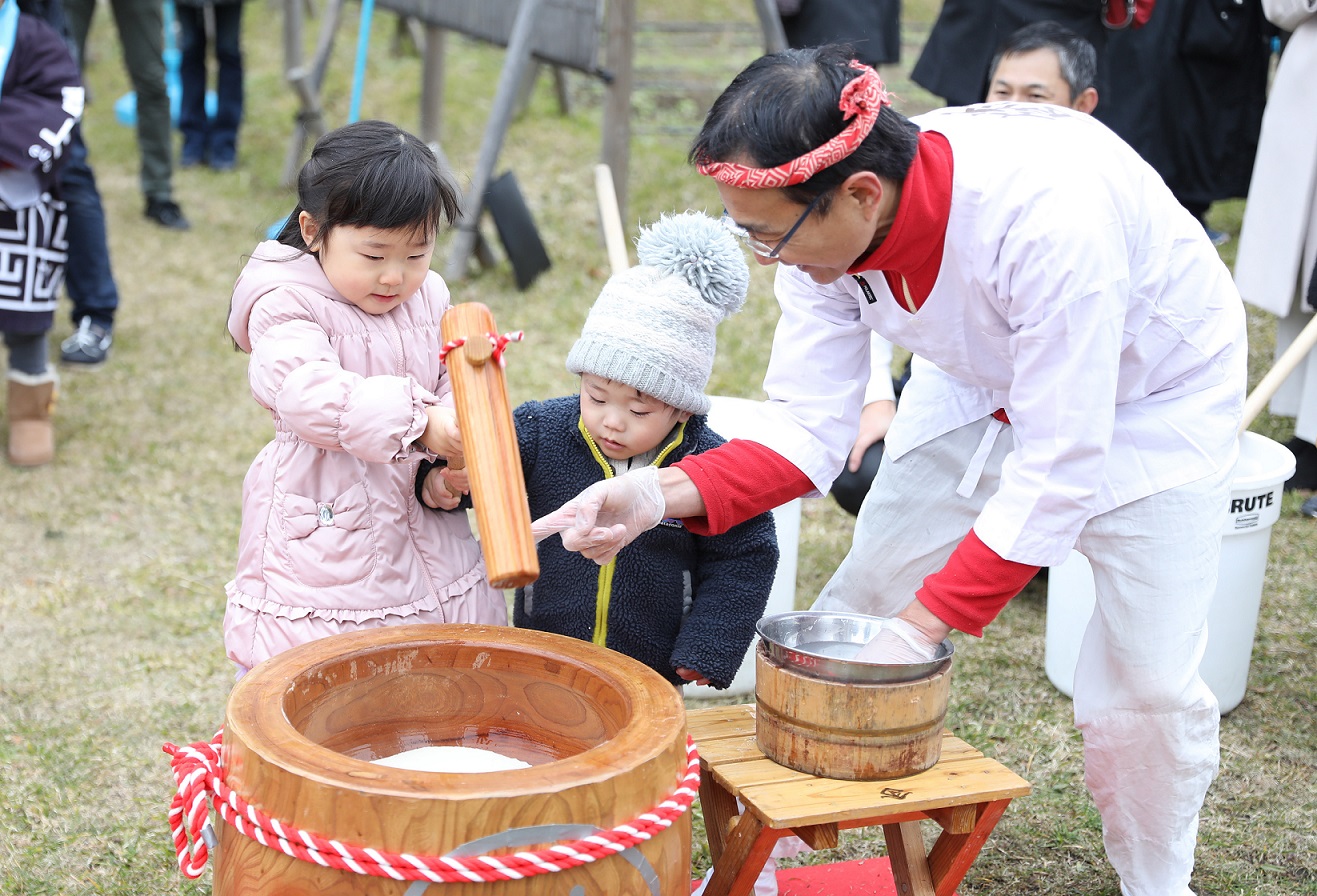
41,100
1187,92
684,604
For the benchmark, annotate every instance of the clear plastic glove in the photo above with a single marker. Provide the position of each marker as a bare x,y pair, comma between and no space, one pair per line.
898,642
607,516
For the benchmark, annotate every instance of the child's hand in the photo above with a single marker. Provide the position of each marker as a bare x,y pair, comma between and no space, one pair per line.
459,481
441,434
436,493
691,675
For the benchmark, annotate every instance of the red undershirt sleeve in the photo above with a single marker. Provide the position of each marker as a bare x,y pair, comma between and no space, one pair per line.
972,588
739,480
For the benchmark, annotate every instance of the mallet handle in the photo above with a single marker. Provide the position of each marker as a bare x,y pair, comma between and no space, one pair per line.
610,219
1279,371
489,440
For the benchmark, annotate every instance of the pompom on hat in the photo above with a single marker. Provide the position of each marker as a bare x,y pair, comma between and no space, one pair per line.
653,326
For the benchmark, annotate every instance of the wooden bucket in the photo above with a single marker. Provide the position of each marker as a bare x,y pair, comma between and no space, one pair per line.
605,736
855,731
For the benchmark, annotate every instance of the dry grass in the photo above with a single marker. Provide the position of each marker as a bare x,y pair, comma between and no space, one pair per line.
112,594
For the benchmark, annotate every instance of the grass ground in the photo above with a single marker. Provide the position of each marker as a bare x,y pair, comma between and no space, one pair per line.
112,578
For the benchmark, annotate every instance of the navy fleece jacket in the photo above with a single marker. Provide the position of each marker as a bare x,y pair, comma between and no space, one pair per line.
671,598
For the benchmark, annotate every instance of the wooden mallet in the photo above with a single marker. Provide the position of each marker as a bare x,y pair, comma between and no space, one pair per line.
1276,376
489,442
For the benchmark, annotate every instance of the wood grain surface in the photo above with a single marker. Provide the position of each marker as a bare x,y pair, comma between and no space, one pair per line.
489,441
849,730
605,735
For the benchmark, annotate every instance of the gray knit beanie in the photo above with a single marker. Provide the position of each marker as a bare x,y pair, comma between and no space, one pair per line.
653,326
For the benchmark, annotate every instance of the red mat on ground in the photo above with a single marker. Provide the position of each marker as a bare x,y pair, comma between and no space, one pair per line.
863,877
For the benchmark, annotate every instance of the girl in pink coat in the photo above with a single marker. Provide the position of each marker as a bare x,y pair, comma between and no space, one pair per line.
340,315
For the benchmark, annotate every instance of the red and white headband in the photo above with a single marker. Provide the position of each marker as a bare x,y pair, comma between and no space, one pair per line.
861,101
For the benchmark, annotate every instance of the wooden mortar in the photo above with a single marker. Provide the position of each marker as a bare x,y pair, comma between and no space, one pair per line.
606,737
856,731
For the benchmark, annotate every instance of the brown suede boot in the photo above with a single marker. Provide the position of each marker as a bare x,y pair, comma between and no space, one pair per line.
31,432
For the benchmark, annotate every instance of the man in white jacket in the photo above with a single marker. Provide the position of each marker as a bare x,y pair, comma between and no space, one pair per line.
1044,62
1025,250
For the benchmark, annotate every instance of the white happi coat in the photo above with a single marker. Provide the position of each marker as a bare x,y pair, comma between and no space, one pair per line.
1074,292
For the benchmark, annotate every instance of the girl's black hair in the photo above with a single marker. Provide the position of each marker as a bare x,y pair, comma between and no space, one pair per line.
785,104
372,174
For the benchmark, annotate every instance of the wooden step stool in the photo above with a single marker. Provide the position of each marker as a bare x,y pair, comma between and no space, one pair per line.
965,794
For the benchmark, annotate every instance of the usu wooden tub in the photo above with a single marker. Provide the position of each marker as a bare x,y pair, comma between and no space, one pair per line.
605,735
856,731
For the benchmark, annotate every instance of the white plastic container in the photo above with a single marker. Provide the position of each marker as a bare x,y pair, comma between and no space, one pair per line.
1255,498
736,418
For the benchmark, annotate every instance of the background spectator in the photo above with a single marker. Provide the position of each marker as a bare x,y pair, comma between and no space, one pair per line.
1187,92
207,140
954,62
872,27
141,29
1278,240
41,99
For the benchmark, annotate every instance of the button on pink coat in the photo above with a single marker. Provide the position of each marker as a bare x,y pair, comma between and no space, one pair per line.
333,537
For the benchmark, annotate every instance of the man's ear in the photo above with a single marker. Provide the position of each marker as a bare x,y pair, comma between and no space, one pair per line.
1086,102
865,189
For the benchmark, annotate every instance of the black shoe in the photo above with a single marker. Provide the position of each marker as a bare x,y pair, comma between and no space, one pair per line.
166,213
88,346
1309,507
1305,465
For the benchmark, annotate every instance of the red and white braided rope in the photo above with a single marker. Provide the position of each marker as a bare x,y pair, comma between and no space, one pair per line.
199,773
499,342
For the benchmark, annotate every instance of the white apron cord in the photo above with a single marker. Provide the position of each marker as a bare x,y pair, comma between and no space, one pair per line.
919,485
970,480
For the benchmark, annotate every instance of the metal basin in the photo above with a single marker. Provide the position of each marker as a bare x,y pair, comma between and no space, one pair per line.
824,645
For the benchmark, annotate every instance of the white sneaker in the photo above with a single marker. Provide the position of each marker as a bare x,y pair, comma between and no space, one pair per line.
89,345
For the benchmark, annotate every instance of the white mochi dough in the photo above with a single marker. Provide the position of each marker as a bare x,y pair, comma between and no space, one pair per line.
458,760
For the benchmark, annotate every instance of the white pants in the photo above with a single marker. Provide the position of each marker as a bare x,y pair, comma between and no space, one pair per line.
1150,724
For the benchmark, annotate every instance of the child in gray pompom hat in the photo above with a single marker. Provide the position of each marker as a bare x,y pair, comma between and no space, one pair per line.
653,326
683,604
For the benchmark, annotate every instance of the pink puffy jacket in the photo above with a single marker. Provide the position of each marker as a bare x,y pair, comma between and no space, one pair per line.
333,538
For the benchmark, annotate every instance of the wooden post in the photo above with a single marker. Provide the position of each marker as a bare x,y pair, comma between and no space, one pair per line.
770,22
616,151
498,489
514,68
310,125
292,34
432,83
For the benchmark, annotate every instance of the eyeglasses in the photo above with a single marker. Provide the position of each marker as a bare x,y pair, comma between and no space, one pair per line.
761,248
